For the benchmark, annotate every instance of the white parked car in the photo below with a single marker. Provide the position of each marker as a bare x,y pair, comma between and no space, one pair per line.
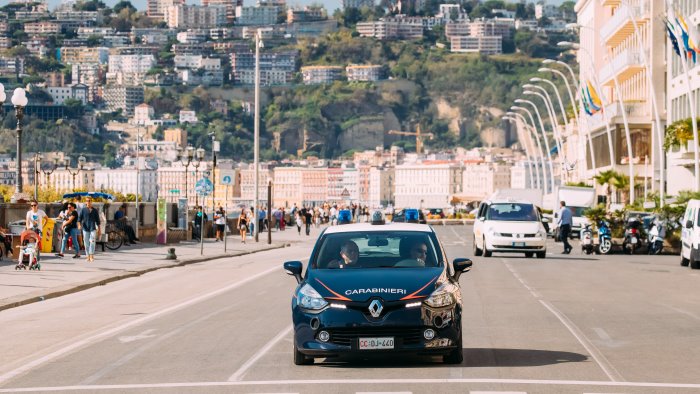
690,235
509,226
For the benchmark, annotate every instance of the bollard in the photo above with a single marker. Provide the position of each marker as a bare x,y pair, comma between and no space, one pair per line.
171,254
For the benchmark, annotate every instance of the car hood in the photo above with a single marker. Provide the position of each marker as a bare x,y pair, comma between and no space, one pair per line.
391,284
514,227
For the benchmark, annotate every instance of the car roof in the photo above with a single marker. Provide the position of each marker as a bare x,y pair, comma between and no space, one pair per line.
389,226
509,201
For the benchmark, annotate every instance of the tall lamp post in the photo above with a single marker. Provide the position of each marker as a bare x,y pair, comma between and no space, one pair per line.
81,164
542,166
188,154
256,127
546,143
47,173
269,211
199,155
19,101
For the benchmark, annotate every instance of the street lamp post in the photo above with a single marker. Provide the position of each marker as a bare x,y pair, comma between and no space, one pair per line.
269,211
37,173
533,129
256,127
189,154
526,145
199,155
81,164
19,100
553,121
546,142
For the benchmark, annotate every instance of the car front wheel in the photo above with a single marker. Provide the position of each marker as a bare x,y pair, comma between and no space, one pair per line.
487,253
300,358
477,252
456,356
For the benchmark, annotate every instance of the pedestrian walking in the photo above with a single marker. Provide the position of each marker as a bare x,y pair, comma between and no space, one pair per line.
220,221
283,221
297,220
243,224
565,221
278,218
89,224
198,223
70,230
251,221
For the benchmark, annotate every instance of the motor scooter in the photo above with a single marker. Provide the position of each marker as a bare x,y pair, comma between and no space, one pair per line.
633,236
604,238
657,233
587,239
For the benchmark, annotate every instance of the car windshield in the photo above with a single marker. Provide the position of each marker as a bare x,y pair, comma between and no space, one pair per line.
512,212
578,211
395,249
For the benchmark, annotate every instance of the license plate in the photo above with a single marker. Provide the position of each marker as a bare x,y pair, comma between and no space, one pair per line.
633,240
376,343
518,243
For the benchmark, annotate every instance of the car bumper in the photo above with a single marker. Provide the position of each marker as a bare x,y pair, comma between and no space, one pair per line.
516,245
405,325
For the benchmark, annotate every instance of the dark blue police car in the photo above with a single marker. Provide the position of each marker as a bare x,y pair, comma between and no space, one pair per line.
377,288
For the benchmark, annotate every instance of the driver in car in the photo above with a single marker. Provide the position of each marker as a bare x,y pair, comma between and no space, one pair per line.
417,253
349,253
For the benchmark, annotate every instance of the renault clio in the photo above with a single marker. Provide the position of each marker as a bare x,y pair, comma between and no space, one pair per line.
377,288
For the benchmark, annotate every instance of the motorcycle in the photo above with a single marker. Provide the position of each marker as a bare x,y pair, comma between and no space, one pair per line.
633,236
657,232
604,238
587,239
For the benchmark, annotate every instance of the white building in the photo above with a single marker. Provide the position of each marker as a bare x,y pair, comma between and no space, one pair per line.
61,93
124,180
129,69
381,187
492,45
184,16
427,185
482,180
257,16
321,74
143,114
188,116
363,72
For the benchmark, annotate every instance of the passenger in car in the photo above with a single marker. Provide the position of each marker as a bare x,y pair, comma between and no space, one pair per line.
349,254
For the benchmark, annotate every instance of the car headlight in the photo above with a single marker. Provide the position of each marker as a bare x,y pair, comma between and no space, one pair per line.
442,296
541,233
495,233
308,298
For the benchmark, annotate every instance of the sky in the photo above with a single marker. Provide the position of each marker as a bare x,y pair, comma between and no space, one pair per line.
330,5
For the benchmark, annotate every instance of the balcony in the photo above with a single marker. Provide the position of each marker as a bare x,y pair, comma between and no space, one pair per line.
633,109
620,26
624,65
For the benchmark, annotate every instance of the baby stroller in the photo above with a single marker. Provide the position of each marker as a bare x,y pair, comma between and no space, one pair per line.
30,246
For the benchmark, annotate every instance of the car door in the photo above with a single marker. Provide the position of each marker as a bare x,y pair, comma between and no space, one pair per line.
479,225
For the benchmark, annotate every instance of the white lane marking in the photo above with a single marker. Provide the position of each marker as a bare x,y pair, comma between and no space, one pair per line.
105,334
355,382
149,345
679,310
455,233
238,375
384,392
517,276
605,339
607,367
144,335
602,362
498,392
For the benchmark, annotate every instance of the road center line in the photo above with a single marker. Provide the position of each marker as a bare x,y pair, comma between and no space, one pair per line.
238,375
602,362
143,386
597,356
109,332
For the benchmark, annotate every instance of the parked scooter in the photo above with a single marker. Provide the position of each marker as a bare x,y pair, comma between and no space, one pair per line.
656,236
604,238
633,236
587,239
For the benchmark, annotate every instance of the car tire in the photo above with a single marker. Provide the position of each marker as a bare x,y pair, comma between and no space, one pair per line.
541,255
456,356
477,252
487,253
684,261
529,255
300,358
694,264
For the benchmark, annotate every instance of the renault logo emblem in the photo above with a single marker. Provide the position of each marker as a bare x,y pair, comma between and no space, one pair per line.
375,308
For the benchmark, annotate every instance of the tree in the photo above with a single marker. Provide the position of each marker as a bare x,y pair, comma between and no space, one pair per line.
74,108
124,4
607,178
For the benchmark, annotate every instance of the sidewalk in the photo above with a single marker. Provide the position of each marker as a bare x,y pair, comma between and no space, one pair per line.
60,276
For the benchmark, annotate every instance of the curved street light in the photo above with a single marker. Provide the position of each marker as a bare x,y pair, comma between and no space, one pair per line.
549,105
539,145
526,146
546,140
529,130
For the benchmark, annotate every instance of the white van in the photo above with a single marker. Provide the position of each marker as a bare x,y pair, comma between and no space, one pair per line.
510,226
690,235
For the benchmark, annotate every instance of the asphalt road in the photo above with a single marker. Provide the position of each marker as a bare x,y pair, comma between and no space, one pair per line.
566,324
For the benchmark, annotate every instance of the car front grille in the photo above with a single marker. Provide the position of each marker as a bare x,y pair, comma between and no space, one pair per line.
403,336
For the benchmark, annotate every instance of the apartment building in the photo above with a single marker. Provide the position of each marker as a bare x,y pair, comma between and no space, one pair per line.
124,180
457,28
306,14
381,187
11,66
394,29
321,74
427,184
257,16
185,16
91,75
248,184
158,9
63,180
129,69
619,58
358,3
73,55
480,180
303,186
42,28
491,27
230,6
60,94
276,68
485,45
361,72
125,98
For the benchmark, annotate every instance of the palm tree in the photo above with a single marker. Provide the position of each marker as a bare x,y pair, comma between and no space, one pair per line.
621,182
605,178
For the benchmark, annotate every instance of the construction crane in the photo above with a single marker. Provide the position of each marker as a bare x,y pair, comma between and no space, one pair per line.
419,137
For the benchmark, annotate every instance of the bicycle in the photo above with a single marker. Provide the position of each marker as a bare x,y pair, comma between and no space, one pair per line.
115,236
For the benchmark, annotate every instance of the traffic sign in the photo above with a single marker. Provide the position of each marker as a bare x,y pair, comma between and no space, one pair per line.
226,177
204,187
175,191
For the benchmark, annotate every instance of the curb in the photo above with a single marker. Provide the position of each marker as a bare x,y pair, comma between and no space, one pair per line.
55,293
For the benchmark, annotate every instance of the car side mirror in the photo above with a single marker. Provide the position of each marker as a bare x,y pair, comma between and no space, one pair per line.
689,224
293,268
481,219
545,220
461,265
